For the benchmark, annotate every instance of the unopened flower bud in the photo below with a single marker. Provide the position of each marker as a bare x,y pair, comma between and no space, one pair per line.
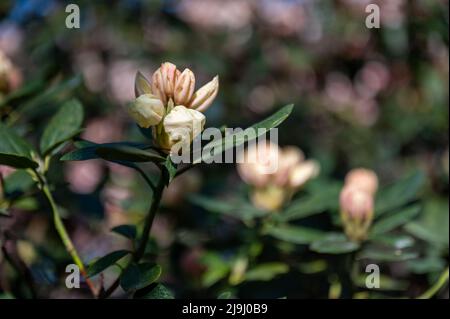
204,96
147,110
184,87
183,124
303,172
289,158
158,86
258,163
357,208
166,77
363,179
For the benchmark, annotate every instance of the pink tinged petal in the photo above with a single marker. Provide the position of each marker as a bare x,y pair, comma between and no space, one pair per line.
204,96
158,86
184,87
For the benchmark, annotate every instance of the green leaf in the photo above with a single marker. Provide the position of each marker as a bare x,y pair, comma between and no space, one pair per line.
334,243
230,141
105,262
154,291
387,255
26,90
14,150
139,276
394,241
18,182
393,221
266,271
231,207
171,169
88,150
128,231
64,125
309,205
399,193
295,234
124,153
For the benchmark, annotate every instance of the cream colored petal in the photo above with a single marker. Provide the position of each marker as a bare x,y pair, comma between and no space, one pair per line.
303,172
147,110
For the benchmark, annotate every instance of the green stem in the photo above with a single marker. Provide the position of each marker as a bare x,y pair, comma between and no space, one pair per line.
443,278
62,232
140,251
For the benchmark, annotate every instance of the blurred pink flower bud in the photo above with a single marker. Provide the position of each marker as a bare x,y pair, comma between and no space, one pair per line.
255,165
184,87
362,179
303,172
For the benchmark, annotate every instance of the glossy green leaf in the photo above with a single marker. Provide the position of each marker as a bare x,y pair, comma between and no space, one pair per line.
394,241
399,193
395,220
266,271
387,255
295,234
334,243
128,231
139,276
154,291
216,147
123,153
14,150
106,261
64,125
88,150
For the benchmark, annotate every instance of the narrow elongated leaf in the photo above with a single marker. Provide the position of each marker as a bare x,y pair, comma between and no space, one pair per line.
387,255
230,141
266,271
125,153
295,234
231,207
399,193
128,231
88,150
334,243
105,262
14,150
395,220
64,125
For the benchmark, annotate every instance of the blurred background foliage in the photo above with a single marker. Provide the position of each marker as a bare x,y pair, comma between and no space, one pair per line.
376,98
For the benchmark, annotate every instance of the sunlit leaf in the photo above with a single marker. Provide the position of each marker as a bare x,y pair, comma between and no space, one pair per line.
64,125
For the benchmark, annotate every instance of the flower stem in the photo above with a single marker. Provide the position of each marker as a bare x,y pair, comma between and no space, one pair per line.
443,278
62,232
140,251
